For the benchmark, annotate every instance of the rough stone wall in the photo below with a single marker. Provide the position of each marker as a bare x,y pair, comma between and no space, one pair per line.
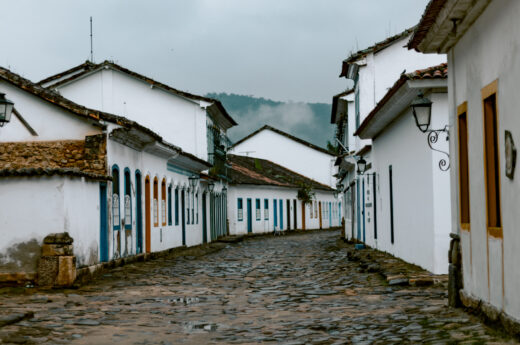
87,155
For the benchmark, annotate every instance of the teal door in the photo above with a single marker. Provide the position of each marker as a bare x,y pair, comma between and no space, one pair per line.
249,216
103,225
275,212
281,214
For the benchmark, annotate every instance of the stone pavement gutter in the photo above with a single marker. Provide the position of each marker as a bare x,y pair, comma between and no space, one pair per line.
396,271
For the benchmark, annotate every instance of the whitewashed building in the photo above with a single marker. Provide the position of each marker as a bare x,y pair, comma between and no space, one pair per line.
289,151
116,186
412,216
371,73
263,197
481,40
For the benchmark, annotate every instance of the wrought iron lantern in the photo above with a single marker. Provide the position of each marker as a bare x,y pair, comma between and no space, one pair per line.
361,166
6,109
422,112
194,180
211,187
224,190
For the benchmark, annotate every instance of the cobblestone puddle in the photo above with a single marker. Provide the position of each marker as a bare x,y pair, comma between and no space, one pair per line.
296,289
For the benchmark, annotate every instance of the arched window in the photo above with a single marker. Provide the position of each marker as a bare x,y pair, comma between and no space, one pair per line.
163,202
155,202
128,200
115,198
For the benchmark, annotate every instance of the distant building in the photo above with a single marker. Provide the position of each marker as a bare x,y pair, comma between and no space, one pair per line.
481,39
263,197
289,151
413,215
371,73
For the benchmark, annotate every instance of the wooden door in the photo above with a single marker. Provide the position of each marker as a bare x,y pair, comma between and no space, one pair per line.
148,218
288,214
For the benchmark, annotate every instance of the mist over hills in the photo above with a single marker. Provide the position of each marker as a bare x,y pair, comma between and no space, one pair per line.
309,121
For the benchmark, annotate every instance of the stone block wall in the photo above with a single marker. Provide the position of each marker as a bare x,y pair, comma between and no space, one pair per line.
87,155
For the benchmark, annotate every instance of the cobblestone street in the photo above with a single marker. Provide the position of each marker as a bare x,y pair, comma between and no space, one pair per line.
294,289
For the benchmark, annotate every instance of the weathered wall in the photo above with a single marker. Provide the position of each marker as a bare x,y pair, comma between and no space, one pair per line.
489,51
87,155
25,220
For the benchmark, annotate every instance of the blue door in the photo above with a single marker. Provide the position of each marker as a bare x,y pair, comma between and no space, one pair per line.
363,201
249,217
275,212
358,212
281,214
139,212
103,223
330,214
183,218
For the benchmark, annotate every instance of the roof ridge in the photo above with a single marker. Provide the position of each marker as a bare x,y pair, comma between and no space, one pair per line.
290,136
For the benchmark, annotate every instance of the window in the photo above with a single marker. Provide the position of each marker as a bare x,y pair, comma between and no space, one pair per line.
163,202
258,210
128,200
491,160
115,198
240,208
177,206
155,202
391,204
170,204
311,209
266,209
463,166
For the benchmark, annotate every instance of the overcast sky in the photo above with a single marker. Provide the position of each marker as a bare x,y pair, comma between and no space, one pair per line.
279,49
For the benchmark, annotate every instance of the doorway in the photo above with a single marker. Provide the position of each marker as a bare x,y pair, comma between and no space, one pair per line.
295,214
249,216
103,228
183,218
204,221
321,220
288,204
147,214
303,215
139,212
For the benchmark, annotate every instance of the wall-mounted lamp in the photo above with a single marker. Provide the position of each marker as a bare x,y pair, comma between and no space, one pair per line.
422,112
361,166
6,109
211,187
194,180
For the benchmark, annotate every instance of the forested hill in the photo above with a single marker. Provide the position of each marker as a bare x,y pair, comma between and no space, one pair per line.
309,121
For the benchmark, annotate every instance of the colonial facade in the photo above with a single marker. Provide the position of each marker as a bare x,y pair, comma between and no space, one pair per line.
264,197
116,186
481,40
411,217
371,73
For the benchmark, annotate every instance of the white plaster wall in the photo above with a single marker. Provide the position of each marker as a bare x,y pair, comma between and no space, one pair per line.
237,227
413,195
63,204
290,154
178,120
48,120
489,51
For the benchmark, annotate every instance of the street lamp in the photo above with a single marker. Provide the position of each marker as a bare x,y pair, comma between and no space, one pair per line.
362,166
422,112
6,108
194,180
211,187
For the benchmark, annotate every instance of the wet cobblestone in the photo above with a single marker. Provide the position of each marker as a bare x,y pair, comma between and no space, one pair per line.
297,289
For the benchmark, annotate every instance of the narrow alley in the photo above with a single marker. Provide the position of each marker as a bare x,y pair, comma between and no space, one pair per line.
294,289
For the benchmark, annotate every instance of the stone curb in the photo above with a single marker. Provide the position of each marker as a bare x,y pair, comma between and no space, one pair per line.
490,314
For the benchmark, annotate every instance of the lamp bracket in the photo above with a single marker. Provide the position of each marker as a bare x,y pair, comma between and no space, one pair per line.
433,138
